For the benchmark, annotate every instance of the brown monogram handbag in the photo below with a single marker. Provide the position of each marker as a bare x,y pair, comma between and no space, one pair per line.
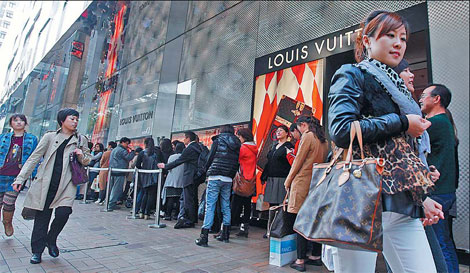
344,206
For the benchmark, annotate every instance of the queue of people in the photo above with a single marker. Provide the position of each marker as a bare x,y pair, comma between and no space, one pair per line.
378,92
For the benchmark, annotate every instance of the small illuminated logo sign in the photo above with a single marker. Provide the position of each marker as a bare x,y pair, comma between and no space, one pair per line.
77,49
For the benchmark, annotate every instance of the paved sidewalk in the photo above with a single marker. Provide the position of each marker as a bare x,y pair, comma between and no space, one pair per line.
94,241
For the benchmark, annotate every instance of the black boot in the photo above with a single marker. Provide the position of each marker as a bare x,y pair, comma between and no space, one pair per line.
36,258
243,231
203,239
224,237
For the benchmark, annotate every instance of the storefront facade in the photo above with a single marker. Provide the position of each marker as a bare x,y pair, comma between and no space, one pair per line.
144,68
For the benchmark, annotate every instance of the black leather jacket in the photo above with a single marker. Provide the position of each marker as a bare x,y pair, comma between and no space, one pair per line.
356,95
223,156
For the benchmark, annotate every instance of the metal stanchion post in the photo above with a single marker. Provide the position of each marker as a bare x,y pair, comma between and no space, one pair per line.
134,202
107,191
84,201
157,213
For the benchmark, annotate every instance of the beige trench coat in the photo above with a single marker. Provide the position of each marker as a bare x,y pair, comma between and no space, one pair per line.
311,150
47,147
103,176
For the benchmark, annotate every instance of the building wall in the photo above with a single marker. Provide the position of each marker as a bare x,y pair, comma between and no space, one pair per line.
7,13
448,30
153,68
40,26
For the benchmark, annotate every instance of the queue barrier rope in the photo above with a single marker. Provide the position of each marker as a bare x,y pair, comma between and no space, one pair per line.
157,223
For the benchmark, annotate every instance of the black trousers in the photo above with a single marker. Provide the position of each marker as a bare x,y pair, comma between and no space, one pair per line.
188,204
41,235
302,244
172,204
239,204
148,199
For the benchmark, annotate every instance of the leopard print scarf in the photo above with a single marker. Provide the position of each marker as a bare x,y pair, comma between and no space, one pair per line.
403,170
399,83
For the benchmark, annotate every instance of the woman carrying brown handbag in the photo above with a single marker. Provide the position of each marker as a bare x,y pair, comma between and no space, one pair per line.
247,160
393,129
53,187
313,148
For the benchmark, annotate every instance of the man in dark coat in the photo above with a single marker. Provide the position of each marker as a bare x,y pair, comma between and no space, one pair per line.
188,201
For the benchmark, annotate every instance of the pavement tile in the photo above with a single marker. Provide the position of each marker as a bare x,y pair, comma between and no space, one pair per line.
95,241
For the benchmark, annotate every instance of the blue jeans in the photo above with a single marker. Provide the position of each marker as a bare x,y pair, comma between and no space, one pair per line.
214,188
442,231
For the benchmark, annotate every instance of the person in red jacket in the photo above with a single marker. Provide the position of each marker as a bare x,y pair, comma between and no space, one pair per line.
295,133
247,159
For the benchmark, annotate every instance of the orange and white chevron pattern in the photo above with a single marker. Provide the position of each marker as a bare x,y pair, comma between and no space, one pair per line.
302,82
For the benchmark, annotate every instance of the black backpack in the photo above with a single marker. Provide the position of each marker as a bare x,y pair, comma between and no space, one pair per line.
200,175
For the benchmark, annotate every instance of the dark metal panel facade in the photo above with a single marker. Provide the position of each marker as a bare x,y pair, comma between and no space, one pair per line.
448,30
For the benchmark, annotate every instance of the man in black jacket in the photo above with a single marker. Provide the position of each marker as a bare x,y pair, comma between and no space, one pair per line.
188,201
221,166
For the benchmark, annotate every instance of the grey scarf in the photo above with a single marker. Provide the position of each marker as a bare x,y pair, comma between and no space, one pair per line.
406,105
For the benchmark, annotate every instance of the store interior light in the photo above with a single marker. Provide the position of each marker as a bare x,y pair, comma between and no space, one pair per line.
184,88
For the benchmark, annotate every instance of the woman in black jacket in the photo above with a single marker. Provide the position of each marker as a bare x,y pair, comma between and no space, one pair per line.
374,94
277,168
148,160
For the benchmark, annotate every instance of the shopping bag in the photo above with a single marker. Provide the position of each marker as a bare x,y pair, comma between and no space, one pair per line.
283,250
327,256
260,204
95,186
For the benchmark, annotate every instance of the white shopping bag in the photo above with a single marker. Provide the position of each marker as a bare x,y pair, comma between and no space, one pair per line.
282,251
260,204
327,257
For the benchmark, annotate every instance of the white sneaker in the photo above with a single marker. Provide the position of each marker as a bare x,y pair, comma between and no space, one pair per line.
98,201
101,203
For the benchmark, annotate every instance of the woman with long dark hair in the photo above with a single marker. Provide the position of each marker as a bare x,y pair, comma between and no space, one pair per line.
15,149
313,148
53,187
148,160
98,150
392,128
166,148
173,185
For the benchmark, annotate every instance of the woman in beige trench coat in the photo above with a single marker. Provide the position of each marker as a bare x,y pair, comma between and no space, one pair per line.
53,187
313,148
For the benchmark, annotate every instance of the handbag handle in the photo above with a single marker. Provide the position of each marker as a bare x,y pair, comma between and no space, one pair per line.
284,201
355,132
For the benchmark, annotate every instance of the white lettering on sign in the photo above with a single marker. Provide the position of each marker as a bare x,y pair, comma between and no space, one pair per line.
292,55
288,57
349,37
304,52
